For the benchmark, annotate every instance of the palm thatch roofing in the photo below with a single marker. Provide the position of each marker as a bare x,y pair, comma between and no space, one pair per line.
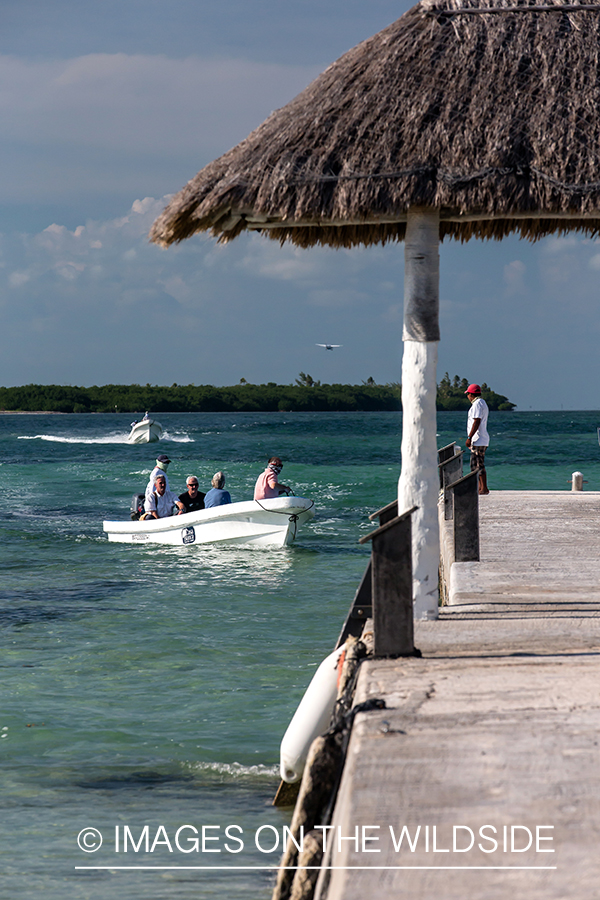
489,113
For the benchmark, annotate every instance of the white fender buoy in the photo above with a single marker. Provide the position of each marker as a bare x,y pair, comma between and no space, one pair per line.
310,719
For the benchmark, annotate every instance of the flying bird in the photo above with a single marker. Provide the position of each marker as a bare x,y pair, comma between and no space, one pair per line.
329,346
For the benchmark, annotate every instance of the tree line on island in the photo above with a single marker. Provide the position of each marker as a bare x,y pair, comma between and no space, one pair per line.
305,395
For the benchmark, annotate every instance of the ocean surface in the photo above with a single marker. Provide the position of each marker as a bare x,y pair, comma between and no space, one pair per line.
147,688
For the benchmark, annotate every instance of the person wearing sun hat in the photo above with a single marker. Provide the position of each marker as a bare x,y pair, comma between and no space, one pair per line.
478,439
160,468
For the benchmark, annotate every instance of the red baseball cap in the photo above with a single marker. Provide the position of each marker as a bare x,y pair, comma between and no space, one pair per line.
473,389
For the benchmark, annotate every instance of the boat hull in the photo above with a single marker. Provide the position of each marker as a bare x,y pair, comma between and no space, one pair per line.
264,523
145,432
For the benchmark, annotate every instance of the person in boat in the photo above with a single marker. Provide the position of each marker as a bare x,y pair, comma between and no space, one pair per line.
193,499
268,484
161,502
160,468
217,496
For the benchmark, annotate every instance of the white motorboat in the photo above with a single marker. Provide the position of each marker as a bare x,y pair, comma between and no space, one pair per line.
145,431
256,523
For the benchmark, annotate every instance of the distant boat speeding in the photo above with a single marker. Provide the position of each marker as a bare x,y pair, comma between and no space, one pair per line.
144,432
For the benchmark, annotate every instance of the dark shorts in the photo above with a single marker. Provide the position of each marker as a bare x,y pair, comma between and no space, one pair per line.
478,458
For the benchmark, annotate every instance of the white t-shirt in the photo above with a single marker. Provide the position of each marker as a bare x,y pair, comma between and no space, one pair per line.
479,410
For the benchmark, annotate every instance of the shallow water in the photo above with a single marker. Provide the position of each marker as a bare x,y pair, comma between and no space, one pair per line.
152,685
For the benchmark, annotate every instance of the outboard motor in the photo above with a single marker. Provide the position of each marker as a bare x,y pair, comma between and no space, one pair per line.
137,506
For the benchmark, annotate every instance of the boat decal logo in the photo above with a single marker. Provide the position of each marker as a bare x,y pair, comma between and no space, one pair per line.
188,535
139,537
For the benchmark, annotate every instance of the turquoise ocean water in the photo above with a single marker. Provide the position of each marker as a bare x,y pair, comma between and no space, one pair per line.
150,686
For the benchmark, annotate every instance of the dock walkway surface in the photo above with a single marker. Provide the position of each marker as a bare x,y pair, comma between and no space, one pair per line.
497,725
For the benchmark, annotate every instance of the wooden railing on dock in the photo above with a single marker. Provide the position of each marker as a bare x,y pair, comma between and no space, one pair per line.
461,504
458,514
445,454
385,592
462,509
450,465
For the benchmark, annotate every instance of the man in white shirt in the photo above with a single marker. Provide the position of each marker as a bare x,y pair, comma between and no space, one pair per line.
161,501
478,438
160,468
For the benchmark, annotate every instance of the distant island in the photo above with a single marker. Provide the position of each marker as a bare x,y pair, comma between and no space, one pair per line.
305,395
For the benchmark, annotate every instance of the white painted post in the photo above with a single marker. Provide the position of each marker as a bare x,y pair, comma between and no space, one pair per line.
577,481
418,484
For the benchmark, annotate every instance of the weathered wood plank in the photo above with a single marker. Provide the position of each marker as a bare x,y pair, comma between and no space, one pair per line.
496,724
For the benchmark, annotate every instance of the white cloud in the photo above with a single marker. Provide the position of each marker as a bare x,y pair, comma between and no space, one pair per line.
562,243
514,274
311,269
177,288
69,270
147,205
270,260
93,252
18,279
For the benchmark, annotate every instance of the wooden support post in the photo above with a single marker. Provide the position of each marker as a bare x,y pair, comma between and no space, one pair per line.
465,493
392,587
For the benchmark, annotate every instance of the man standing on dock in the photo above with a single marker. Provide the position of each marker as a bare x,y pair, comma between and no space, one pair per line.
478,438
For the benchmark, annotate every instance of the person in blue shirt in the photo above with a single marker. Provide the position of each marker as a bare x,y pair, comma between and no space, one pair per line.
217,496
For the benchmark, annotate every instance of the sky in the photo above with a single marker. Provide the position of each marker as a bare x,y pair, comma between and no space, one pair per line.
109,107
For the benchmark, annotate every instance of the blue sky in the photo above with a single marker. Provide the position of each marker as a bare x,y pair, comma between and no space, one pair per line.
109,107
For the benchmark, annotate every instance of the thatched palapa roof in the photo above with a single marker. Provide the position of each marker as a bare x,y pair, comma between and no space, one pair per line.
489,113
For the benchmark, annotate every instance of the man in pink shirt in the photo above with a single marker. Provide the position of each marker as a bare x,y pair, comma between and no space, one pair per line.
267,485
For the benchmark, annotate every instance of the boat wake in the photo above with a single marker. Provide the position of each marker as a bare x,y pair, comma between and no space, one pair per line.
178,438
115,438
62,439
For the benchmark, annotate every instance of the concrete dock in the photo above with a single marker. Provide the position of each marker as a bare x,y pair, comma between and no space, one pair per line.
487,753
